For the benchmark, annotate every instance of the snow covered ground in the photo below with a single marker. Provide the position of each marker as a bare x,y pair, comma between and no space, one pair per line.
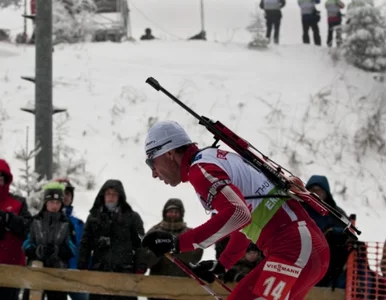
110,106
291,101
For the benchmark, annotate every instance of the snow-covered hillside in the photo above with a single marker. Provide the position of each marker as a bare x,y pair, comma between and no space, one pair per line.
225,20
292,102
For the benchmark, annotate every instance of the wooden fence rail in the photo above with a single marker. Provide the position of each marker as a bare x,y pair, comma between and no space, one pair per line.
37,279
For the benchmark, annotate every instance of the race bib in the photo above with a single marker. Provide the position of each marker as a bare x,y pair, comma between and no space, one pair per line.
276,279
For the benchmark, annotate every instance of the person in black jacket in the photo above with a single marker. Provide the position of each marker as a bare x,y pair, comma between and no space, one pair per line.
112,232
52,236
273,17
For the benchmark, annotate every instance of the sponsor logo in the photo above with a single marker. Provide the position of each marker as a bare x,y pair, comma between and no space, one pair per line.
280,268
149,143
221,154
271,202
264,186
161,241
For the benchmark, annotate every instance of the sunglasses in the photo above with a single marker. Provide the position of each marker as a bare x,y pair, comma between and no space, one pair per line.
150,154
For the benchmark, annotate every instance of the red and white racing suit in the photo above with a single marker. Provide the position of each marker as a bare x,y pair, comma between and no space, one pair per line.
296,252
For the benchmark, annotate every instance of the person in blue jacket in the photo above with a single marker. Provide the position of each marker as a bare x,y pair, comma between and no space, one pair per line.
337,239
78,225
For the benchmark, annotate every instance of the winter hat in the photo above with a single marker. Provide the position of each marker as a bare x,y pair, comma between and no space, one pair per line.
173,203
67,186
53,191
164,136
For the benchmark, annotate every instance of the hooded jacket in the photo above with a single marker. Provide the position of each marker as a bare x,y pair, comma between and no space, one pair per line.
13,230
323,222
113,237
333,231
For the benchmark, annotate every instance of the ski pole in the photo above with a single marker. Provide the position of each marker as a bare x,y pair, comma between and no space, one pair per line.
189,272
222,284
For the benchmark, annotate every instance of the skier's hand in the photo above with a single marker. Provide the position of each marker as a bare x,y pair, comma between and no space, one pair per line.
232,276
160,242
208,269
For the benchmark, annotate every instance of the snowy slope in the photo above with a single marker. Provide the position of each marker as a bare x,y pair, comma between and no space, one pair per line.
103,87
263,96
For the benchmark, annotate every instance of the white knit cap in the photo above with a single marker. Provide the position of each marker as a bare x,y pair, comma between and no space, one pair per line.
164,136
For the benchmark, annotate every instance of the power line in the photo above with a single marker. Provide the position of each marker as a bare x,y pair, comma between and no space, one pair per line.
154,23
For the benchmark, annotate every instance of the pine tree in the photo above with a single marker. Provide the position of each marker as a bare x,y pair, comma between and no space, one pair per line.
29,185
258,30
365,36
7,3
67,162
72,20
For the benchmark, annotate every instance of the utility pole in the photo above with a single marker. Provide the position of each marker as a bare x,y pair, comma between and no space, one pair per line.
43,88
25,23
202,16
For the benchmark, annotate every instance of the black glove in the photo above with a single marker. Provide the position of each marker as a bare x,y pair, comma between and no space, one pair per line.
207,269
4,217
161,242
233,276
44,252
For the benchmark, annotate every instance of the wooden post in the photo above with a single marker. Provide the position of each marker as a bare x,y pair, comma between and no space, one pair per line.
36,294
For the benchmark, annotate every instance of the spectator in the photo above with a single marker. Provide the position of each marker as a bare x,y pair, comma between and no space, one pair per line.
14,223
334,20
111,234
253,256
51,239
273,16
173,222
148,35
310,19
336,238
78,226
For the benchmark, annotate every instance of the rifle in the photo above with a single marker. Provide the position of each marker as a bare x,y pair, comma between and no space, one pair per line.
291,185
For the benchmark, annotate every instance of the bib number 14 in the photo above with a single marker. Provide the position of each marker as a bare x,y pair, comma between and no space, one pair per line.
273,289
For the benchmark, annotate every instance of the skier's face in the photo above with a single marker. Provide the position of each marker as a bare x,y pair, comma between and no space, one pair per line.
167,169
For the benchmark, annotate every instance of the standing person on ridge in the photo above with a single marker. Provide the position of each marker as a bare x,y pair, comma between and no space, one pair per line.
296,251
273,15
334,20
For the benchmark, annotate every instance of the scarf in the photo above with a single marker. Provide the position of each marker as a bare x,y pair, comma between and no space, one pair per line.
172,227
